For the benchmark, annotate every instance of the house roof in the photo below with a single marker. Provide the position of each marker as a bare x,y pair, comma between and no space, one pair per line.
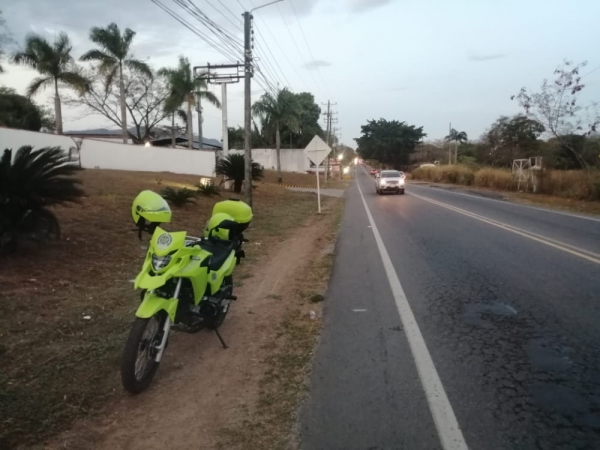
212,144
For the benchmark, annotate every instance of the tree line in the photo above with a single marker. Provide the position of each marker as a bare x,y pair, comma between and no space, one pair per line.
554,123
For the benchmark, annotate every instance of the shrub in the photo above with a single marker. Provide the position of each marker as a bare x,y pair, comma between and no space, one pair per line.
178,197
208,190
29,184
232,168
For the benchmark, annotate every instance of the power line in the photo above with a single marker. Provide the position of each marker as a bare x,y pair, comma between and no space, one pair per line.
296,44
219,48
223,14
273,58
308,46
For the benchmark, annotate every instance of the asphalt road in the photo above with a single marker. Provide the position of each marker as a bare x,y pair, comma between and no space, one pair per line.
506,302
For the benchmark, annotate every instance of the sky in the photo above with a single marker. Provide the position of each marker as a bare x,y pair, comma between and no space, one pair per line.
426,62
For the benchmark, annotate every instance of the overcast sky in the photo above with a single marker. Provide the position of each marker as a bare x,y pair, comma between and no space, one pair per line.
426,62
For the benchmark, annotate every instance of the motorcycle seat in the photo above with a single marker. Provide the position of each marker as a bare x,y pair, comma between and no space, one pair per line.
220,251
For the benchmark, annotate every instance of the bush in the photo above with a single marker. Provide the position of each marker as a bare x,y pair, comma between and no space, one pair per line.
233,168
208,190
178,197
29,185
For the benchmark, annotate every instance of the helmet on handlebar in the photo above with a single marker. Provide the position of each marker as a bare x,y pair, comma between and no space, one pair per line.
220,226
149,210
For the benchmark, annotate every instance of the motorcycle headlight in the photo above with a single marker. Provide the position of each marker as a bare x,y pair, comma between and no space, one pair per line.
160,262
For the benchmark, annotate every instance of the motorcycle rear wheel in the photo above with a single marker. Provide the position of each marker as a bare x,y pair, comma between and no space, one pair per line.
222,314
139,366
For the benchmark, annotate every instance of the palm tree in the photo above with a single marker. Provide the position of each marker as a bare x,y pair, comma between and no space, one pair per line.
458,137
232,167
185,88
112,56
55,65
275,112
29,184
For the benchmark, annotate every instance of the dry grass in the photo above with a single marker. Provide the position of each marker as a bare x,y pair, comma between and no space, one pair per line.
305,180
573,184
56,365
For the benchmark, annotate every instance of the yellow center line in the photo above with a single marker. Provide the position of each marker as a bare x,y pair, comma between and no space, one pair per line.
590,256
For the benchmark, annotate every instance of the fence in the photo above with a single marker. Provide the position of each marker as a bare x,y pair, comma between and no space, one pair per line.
108,155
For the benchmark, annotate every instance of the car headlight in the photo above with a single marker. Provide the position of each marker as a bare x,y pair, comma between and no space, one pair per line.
160,262
402,182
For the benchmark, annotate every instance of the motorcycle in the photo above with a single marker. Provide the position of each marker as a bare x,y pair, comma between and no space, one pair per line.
186,281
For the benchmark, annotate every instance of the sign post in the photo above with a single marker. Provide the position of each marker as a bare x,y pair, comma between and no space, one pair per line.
317,150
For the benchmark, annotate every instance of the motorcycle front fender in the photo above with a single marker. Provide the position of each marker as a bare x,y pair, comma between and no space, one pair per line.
152,304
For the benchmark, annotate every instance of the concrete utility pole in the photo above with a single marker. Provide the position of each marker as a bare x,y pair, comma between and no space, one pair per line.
328,117
247,107
225,137
199,110
449,145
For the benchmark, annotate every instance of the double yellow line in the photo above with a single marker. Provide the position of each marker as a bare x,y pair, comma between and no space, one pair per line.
590,256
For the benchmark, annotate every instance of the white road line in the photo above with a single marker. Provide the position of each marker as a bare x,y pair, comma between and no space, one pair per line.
359,310
449,431
478,197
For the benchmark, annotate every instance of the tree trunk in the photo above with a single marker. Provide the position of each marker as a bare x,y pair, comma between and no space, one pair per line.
237,186
173,142
123,105
57,109
278,151
190,125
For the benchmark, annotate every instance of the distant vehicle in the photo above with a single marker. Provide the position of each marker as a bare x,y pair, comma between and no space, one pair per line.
374,171
390,181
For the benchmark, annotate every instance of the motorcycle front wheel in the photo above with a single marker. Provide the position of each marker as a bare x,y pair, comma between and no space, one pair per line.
139,365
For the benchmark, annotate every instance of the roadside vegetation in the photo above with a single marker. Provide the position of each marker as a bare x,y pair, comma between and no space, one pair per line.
64,319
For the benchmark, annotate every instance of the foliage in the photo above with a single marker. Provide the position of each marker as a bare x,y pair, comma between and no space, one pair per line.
17,111
457,136
29,184
144,99
236,138
55,65
556,107
572,184
389,142
208,190
512,138
178,197
184,87
233,168
309,114
4,38
112,56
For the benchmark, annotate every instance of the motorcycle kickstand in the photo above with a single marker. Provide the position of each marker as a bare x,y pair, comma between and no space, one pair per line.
221,338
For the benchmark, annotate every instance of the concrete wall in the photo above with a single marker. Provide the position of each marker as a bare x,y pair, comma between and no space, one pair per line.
292,160
109,155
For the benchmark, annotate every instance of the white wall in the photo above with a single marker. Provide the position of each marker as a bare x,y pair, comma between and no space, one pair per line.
292,160
110,155
15,139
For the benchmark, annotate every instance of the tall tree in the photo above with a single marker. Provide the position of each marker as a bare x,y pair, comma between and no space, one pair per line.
113,55
55,65
276,111
556,106
4,38
309,114
512,137
144,100
185,88
17,111
389,142
458,137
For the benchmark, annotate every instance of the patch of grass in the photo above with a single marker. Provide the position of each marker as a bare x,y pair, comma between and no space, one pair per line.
304,179
57,366
569,184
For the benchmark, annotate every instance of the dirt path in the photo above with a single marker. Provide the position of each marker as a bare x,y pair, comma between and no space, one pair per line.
200,388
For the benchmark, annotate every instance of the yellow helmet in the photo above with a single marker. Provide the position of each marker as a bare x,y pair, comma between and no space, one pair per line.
149,207
219,226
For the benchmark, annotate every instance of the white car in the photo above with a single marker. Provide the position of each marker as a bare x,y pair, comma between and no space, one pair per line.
390,181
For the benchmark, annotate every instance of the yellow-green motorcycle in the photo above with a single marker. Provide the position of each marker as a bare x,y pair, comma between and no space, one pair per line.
186,281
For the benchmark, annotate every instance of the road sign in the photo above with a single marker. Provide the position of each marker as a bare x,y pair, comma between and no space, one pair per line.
317,150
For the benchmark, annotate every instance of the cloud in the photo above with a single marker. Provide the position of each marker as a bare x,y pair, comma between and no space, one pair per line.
317,63
481,58
365,5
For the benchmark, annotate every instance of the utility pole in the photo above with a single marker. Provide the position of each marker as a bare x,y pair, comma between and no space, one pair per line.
449,145
247,106
225,131
199,110
328,117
